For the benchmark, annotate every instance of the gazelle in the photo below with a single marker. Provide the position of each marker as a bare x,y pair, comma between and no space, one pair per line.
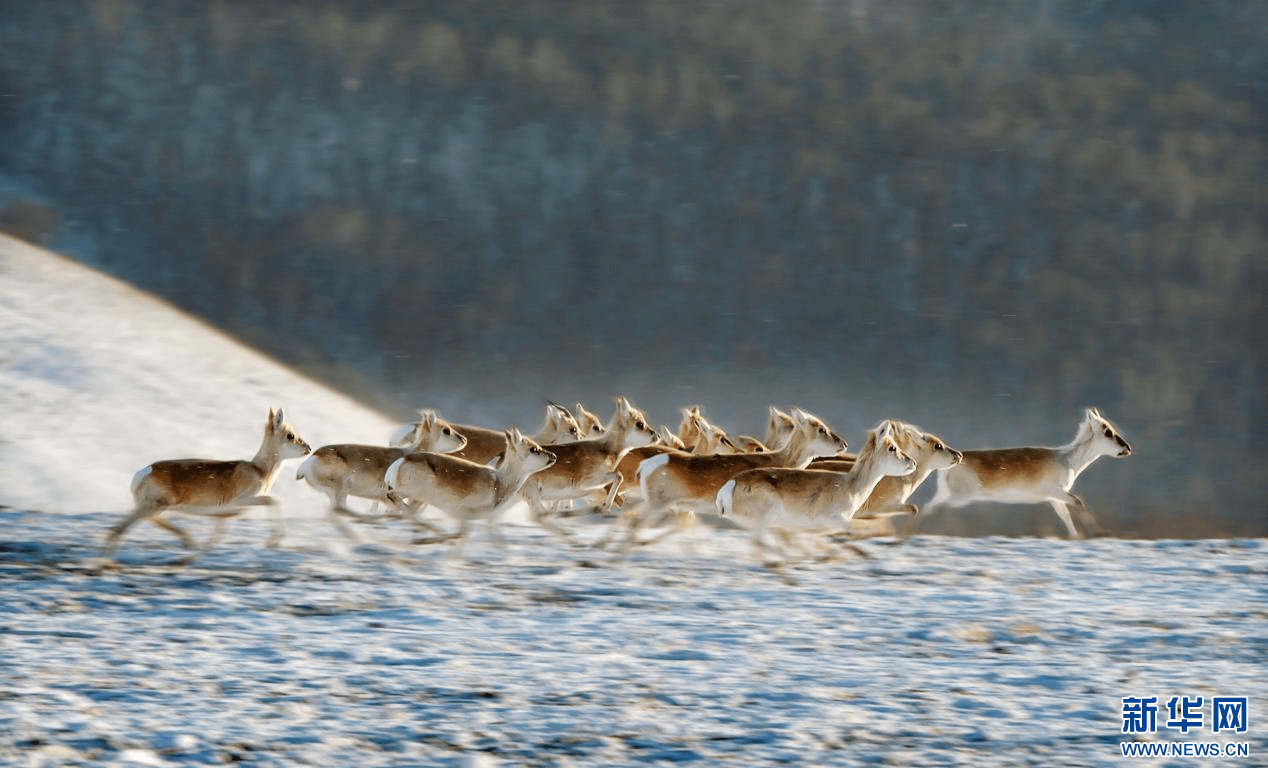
587,465
793,501
669,439
1031,475
467,490
344,469
591,424
221,489
749,444
707,438
484,445
929,452
671,481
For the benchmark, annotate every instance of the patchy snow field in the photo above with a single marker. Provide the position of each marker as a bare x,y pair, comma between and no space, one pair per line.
942,651
939,651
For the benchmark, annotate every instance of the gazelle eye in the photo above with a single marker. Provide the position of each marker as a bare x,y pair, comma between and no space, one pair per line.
640,425
1109,432
290,435
448,431
891,449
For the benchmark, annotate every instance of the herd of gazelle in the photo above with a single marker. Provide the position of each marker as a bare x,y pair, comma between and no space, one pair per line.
799,479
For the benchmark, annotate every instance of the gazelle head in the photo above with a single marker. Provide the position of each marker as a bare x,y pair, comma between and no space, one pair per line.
523,453
667,437
1103,435
561,426
591,424
928,450
630,422
713,439
934,453
819,435
703,436
779,425
689,426
883,448
746,444
891,458
281,437
432,433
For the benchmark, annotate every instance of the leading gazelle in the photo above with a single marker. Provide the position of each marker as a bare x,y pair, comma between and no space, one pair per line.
221,489
1031,475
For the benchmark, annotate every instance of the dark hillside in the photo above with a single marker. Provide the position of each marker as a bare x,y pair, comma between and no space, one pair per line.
978,216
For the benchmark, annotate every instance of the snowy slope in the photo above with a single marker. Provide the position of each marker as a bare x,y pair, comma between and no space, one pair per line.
98,379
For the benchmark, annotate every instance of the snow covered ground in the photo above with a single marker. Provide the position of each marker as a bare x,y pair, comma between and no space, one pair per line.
939,651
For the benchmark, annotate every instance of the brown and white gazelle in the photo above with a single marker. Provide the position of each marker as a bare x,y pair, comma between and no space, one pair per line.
1031,475
588,465
591,424
346,469
467,490
221,489
929,452
706,438
678,484
791,501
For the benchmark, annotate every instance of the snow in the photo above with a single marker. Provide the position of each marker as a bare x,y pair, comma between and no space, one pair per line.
938,651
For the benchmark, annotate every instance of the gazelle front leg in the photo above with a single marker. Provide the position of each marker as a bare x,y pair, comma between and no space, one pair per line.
136,516
539,515
1062,508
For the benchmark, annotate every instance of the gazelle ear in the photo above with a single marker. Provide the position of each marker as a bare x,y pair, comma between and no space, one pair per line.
1091,414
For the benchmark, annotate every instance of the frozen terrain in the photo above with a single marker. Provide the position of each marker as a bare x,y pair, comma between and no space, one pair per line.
939,651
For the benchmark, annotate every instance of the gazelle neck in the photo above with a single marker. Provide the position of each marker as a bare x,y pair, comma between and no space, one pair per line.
267,461
866,474
1081,451
508,477
616,438
794,451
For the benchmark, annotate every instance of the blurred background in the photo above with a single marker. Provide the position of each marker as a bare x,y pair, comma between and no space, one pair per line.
977,216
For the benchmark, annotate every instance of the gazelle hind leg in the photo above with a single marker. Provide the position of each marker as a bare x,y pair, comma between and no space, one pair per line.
170,527
338,508
683,519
